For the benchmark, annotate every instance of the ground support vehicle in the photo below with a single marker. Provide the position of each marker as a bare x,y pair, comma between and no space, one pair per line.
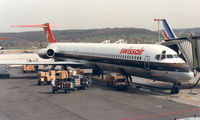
78,82
61,82
120,82
4,71
72,79
86,75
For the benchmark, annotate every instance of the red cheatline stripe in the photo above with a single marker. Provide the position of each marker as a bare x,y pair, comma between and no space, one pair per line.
162,114
158,75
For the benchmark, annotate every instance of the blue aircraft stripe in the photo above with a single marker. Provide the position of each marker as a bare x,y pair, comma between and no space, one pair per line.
168,29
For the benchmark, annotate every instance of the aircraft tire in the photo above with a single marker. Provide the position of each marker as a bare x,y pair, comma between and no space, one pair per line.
174,90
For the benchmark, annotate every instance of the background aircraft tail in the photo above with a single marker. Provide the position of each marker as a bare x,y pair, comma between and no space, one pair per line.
168,32
47,31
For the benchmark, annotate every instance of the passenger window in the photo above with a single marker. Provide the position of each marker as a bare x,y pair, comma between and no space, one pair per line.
164,52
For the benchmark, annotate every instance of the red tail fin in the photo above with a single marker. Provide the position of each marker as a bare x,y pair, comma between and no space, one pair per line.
49,34
47,31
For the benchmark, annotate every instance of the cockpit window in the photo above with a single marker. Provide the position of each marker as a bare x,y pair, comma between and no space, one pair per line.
163,57
157,57
175,56
169,56
164,52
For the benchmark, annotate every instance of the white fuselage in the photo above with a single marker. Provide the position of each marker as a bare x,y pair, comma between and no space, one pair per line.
152,61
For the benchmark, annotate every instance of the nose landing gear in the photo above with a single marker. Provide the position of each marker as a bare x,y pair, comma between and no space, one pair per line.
174,89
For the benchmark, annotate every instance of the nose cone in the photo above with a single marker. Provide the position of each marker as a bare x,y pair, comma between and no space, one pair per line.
187,76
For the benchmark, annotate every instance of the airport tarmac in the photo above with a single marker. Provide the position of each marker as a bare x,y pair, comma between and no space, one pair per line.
22,99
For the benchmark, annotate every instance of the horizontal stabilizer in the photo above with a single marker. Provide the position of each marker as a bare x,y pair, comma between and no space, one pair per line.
42,63
4,38
38,25
47,30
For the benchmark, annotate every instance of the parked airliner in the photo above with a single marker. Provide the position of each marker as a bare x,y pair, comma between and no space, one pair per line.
152,61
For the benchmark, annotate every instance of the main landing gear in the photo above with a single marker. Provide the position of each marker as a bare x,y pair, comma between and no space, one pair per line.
174,89
129,80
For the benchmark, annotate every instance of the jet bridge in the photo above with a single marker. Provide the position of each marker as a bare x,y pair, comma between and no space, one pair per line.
195,45
188,48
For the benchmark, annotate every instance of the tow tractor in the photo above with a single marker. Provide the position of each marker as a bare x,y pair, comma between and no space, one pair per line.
118,81
78,82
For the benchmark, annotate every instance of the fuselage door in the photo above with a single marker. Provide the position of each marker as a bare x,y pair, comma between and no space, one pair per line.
146,63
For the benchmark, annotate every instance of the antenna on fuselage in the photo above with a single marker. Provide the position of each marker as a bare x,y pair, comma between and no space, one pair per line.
105,42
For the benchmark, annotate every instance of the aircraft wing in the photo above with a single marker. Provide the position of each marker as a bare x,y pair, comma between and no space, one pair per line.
43,63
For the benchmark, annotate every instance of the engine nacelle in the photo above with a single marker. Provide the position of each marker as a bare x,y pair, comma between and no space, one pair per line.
46,53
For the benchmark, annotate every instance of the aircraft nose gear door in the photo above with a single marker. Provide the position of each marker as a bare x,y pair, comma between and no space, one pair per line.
146,63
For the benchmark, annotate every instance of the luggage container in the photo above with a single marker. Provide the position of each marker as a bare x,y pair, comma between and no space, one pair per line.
29,68
45,77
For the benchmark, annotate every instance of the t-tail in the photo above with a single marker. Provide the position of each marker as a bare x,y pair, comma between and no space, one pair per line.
47,30
168,32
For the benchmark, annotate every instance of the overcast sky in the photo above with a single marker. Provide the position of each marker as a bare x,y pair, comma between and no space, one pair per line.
87,14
